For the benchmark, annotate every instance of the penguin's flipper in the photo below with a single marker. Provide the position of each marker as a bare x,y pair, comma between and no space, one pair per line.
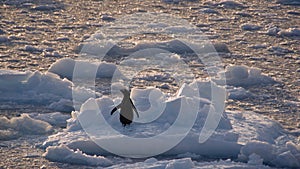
113,110
134,108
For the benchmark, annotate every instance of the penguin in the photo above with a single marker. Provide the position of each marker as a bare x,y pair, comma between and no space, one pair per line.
127,107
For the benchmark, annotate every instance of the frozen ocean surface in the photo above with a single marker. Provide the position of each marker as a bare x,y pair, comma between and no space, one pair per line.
203,134
249,140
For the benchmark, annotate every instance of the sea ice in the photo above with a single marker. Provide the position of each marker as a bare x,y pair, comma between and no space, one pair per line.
287,155
209,11
288,2
250,27
243,136
63,105
4,39
55,118
277,50
231,4
273,31
2,32
38,88
32,49
107,18
171,1
16,126
65,68
244,76
290,32
44,8
33,87
238,93
66,155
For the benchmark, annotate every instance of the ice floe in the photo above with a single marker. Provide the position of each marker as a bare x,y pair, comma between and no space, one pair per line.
238,93
209,11
273,31
277,50
55,119
4,39
288,2
66,155
250,138
17,126
65,68
33,87
250,27
230,4
291,32
244,76
52,88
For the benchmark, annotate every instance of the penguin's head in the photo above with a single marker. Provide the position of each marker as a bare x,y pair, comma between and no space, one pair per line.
125,92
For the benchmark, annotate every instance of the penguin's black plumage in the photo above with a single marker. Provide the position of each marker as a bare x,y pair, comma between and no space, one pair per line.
126,109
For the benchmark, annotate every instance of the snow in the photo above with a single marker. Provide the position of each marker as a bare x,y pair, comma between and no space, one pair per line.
277,50
107,18
32,49
273,31
238,93
62,39
230,4
65,155
63,105
250,27
47,88
173,46
4,39
74,135
44,8
255,159
171,1
181,44
17,126
188,163
290,32
55,118
2,32
249,138
245,139
244,76
288,2
209,11
221,48
286,156
65,68
33,87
